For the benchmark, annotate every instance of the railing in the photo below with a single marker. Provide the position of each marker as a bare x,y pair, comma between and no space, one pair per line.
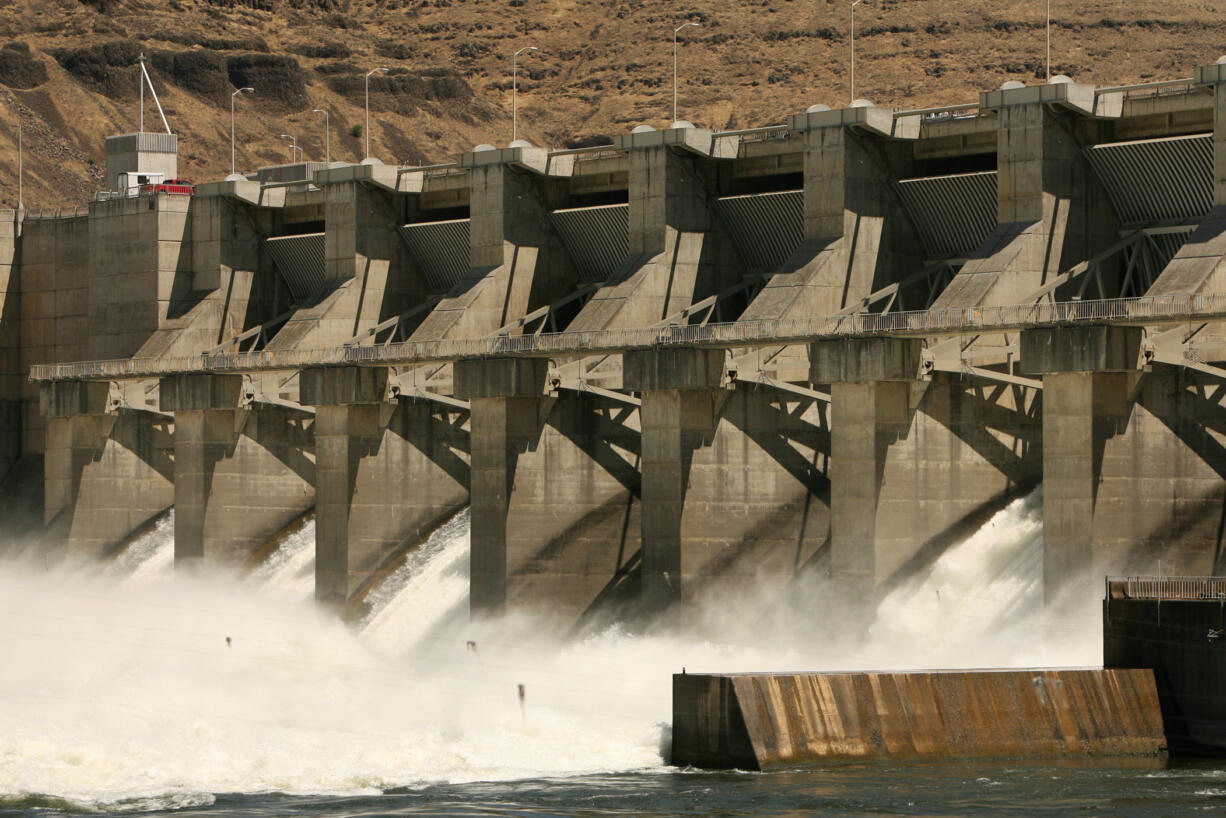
1175,588
967,110
1150,89
919,323
756,134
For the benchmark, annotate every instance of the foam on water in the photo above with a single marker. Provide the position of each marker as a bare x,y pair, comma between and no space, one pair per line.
148,557
429,591
289,573
126,695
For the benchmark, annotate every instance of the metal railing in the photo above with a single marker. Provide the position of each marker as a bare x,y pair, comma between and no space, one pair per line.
967,110
1175,588
1150,89
756,134
918,323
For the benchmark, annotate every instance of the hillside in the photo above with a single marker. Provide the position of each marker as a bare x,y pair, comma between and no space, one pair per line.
67,69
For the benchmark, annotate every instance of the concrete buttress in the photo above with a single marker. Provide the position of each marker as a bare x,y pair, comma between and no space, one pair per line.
243,470
387,472
108,469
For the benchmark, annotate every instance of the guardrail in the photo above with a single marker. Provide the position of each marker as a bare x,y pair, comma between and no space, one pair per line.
1175,588
966,110
1150,89
739,334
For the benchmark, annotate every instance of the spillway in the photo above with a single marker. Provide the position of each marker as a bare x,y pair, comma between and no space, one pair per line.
126,692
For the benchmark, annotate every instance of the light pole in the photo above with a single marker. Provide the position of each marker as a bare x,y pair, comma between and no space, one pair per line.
1047,78
853,48
20,171
515,90
676,31
293,146
368,73
327,135
248,90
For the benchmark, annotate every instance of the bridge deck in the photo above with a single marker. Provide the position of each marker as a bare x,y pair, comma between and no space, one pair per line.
1144,311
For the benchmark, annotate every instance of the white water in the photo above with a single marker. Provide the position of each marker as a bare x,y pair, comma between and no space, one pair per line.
289,573
125,694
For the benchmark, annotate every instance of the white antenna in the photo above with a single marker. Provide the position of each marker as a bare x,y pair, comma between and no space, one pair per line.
144,78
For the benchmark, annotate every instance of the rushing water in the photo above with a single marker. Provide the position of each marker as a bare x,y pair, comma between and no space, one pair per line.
138,689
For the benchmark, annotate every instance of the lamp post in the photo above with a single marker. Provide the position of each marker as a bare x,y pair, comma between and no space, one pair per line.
20,171
515,90
1047,77
327,135
676,31
853,48
368,74
293,146
247,90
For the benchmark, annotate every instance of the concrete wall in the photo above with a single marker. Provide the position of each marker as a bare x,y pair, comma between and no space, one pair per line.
107,472
55,270
10,340
758,722
141,241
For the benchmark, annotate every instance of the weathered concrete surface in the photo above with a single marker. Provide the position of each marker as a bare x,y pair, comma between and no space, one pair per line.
759,721
106,474
143,242
369,273
1133,473
677,254
516,261
857,238
1170,632
55,270
241,474
10,340
1051,212
386,474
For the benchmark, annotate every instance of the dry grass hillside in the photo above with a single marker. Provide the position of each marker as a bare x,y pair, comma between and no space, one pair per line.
67,69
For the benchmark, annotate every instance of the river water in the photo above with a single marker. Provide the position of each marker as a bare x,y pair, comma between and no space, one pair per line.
141,690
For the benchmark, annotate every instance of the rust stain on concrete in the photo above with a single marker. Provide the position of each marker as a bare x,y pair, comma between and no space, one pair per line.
755,721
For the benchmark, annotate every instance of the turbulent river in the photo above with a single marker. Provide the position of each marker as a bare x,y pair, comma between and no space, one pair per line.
137,689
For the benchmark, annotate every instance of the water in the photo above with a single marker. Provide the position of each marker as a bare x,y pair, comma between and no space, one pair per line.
139,690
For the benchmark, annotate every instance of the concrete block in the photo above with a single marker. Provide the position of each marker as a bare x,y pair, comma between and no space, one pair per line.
668,368
500,378
71,398
851,360
1080,349
199,392
339,385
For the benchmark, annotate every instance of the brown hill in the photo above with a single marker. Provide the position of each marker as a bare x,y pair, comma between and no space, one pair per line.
67,69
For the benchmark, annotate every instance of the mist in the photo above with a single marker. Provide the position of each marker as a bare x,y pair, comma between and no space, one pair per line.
137,686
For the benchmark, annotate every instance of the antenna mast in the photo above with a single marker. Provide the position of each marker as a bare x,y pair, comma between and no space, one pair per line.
144,78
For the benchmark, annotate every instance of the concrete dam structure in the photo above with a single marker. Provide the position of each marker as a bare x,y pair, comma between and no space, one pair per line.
654,369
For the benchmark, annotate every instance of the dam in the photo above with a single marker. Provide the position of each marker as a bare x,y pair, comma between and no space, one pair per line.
654,369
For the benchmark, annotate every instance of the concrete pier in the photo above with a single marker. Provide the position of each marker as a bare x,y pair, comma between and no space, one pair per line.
243,471
108,470
386,473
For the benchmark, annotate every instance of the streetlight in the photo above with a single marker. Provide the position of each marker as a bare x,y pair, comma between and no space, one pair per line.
368,73
515,89
675,32
293,146
853,48
327,135
1048,77
20,171
248,90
